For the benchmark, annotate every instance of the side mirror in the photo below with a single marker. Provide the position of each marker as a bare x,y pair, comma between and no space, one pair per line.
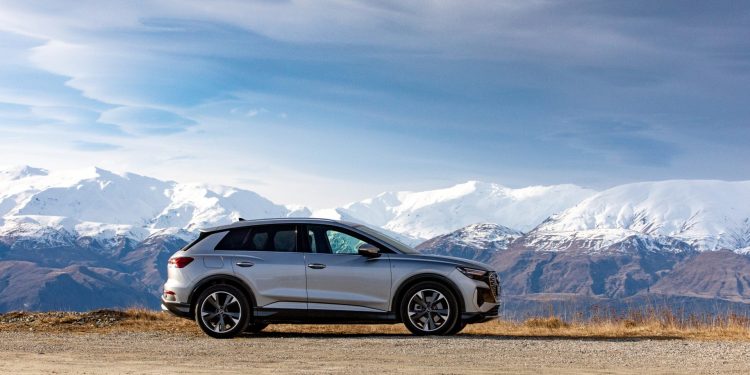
368,250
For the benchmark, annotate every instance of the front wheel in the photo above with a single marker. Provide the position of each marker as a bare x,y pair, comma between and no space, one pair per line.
457,328
430,308
222,311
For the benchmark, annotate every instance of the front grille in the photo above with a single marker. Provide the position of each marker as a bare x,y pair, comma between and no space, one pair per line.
494,285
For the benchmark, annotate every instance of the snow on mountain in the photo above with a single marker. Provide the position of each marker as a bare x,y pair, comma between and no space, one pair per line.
92,202
483,235
602,240
17,173
708,215
98,203
477,242
195,206
426,214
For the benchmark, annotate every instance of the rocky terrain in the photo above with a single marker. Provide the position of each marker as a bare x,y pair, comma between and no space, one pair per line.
298,352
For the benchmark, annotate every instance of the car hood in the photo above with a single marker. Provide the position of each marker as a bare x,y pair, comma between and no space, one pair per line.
447,259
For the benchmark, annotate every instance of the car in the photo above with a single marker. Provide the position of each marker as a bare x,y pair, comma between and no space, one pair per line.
249,274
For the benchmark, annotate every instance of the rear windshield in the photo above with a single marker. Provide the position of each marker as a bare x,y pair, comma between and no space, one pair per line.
195,241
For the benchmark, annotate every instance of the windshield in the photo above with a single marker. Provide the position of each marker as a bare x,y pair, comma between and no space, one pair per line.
400,246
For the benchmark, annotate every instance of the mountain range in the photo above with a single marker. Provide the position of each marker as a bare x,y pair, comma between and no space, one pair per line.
92,238
426,214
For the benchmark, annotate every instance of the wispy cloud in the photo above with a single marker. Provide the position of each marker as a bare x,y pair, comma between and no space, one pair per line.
94,146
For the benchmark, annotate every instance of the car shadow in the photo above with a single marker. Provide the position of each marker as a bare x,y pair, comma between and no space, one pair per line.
568,337
463,336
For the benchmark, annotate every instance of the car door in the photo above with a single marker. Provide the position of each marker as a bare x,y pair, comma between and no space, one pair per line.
266,258
338,278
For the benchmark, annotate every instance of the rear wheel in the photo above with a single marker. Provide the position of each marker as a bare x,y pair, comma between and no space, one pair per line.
430,308
222,311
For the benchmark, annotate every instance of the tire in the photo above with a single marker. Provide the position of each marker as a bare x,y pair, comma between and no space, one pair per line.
430,308
255,327
222,311
457,328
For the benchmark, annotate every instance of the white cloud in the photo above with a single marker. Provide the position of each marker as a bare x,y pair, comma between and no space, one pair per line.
99,72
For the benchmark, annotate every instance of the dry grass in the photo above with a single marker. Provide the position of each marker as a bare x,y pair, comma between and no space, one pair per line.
105,321
551,322
654,324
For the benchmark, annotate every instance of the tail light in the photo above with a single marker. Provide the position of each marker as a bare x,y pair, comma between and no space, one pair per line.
170,296
180,262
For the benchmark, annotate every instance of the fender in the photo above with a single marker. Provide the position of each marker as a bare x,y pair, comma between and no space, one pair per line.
425,277
214,279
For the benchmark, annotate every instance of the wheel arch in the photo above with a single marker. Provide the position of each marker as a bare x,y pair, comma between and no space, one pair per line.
412,280
217,280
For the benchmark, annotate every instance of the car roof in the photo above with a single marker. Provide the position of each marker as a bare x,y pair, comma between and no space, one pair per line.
281,220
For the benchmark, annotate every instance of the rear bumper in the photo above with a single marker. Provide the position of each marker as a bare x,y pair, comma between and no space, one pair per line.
176,308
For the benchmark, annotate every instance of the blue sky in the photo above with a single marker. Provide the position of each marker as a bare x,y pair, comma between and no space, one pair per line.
321,103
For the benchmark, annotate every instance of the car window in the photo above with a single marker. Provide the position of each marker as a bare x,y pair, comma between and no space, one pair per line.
324,239
258,241
285,240
261,238
342,243
234,239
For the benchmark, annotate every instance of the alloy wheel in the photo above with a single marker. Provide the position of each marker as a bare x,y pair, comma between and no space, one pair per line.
221,311
428,310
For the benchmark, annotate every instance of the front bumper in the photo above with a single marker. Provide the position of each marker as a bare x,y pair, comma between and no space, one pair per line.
480,317
179,309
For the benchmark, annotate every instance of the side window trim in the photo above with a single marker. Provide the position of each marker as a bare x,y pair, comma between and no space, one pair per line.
302,246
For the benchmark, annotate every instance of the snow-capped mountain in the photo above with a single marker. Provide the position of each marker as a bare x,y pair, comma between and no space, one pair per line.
672,215
97,203
426,214
69,237
706,215
478,242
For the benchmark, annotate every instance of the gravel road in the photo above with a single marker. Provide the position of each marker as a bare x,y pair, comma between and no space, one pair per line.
158,353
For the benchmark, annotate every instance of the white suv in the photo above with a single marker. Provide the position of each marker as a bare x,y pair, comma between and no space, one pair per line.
243,276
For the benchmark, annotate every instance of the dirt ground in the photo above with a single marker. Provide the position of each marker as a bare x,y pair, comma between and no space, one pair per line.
298,352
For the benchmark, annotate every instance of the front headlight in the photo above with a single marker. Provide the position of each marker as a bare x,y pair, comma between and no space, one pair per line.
473,273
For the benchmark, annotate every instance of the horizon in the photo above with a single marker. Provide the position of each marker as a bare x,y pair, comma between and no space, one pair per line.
313,209
325,104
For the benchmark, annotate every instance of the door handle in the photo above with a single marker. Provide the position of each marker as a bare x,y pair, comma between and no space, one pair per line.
316,266
245,264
